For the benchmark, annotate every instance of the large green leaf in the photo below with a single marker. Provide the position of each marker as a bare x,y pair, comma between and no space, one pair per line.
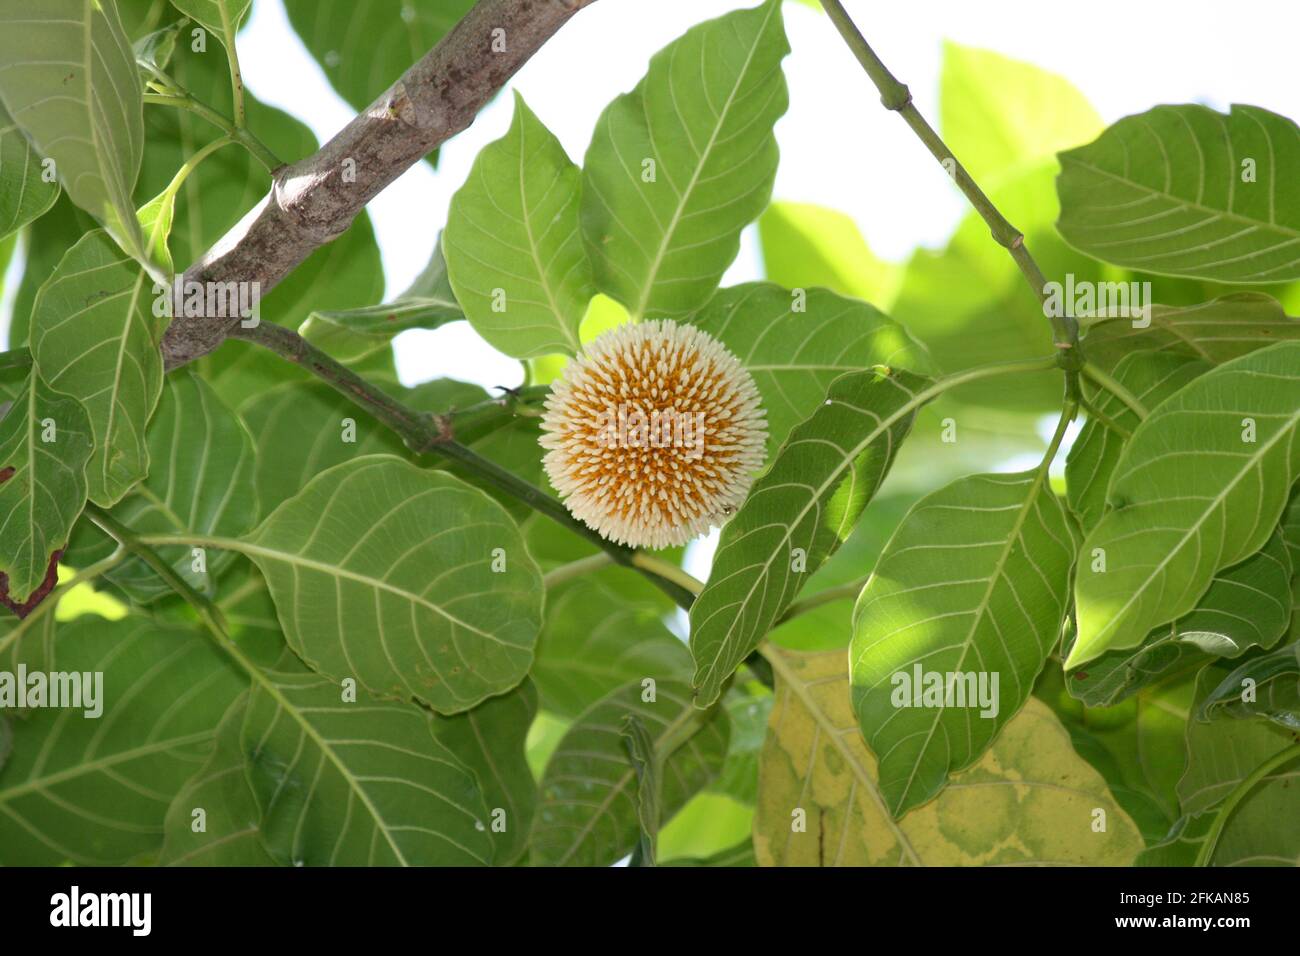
595,640
93,791
356,783
1190,496
409,581
1246,606
1029,801
1183,190
24,193
70,83
514,256
489,740
367,44
973,588
1216,331
95,337
795,355
797,514
681,164
1151,377
588,810
42,483
212,821
200,483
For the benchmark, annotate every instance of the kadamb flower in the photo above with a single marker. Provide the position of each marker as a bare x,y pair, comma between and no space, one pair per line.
654,434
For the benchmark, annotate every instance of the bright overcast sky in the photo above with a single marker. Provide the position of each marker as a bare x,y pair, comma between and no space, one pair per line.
838,147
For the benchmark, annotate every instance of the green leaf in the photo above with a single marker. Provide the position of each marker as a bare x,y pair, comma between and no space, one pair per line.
1029,800
595,640
1190,497
587,815
805,245
153,52
24,193
974,583
1246,606
748,707
220,790
1215,332
409,581
363,47
1267,686
42,483
360,783
1151,377
95,337
200,483
220,16
514,256
429,303
70,83
680,165
1183,190
795,355
1220,755
797,514
489,740
93,791
998,114
641,753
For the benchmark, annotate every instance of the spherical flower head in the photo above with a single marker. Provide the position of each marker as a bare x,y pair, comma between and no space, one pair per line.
654,434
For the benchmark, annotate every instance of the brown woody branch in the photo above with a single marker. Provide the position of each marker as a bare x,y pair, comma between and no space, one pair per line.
314,200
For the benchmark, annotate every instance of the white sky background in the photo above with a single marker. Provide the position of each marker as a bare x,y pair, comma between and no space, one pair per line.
839,147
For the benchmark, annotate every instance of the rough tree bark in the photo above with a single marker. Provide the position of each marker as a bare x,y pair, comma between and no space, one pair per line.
314,200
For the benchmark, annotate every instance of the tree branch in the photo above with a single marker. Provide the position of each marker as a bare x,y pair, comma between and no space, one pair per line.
426,433
314,200
895,96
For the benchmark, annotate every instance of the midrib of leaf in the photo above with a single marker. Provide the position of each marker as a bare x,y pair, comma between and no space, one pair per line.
100,763
833,733
1191,204
687,714
250,549
685,195
982,608
1196,526
542,273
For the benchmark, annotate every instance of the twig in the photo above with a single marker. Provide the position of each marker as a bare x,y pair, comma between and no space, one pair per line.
896,96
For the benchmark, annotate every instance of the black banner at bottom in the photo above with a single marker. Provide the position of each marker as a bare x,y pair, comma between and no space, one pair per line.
213,906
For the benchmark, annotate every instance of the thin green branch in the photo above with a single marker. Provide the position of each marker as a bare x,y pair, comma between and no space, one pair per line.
240,134
1105,420
1111,384
1284,756
576,569
821,599
232,58
896,96
208,612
